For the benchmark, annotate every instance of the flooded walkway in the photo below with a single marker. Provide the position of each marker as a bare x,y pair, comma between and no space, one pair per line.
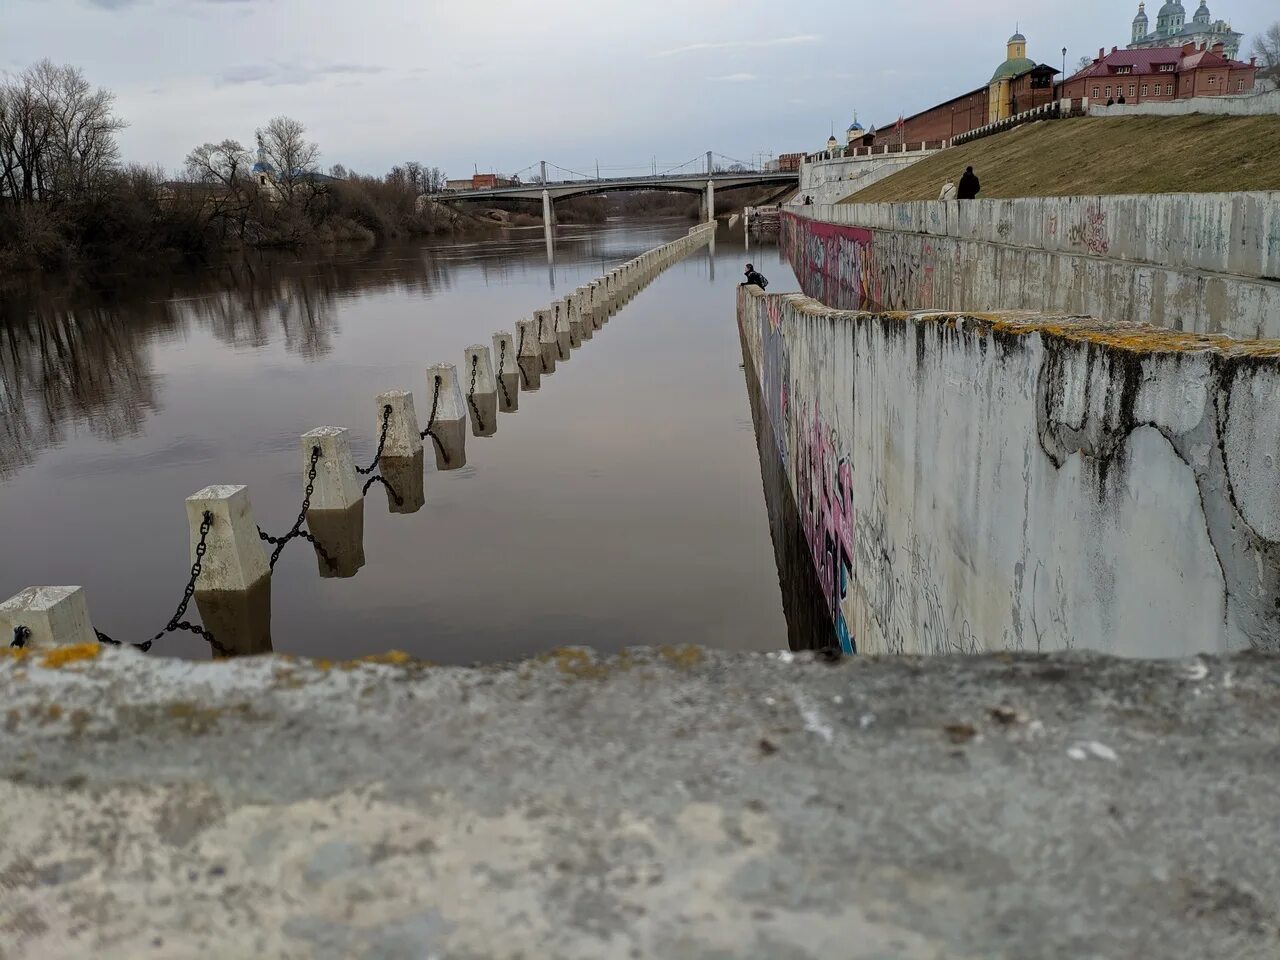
621,505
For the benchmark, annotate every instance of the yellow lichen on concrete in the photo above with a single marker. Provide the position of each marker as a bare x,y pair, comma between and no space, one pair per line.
75,653
396,657
681,656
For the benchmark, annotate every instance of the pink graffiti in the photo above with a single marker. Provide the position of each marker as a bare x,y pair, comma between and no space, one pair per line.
825,499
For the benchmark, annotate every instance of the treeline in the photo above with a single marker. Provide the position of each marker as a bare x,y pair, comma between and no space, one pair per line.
65,195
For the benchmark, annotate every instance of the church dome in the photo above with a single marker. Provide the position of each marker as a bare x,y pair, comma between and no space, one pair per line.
1142,14
1013,67
855,127
1203,15
1017,38
1172,9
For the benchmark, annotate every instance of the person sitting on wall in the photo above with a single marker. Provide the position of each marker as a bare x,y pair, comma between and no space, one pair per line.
948,191
755,279
970,186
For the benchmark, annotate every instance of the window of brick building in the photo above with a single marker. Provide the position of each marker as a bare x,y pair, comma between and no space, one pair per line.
1240,85
1212,81
1096,94
1144,89
1171,89
1108,89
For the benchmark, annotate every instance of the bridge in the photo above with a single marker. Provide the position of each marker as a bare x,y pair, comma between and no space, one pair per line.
703,181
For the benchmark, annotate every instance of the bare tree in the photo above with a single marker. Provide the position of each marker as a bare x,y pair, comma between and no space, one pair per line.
224,163
57,135
223,170
294,159
1266,47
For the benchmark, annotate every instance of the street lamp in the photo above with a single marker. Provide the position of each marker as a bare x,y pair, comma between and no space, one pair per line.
1063,83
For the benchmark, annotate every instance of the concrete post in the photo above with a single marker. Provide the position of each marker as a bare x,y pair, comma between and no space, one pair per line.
405,474
403,433
482,391
234,560
508,373
44,617
546,339
528,355
579,314
337,486
450,421
564,333
710,168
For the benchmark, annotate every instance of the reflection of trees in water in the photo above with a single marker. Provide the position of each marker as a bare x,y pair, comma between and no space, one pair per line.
70,353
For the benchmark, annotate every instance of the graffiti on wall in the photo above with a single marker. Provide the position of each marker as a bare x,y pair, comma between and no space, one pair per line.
850,268
822,475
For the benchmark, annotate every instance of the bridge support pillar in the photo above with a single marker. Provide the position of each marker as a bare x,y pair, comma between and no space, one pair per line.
548,218
709,203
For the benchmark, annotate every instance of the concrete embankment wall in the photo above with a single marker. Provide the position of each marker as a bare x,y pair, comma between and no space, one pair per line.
1207,263
830,181
980,482
1257,105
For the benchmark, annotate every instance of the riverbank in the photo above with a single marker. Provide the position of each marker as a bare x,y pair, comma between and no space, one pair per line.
669,802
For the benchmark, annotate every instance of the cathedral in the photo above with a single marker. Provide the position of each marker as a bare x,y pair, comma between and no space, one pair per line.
1174,30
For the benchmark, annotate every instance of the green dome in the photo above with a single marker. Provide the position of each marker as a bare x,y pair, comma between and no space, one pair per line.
1013,67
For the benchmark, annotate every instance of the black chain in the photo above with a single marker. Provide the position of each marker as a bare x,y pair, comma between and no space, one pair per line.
386,483
541,355
21,635
471,397
176,622
296,530
502,363
435,406
520,361
382,442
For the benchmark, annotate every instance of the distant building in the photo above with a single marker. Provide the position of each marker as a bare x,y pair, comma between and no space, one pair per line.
1161,73
1173,30
1019,84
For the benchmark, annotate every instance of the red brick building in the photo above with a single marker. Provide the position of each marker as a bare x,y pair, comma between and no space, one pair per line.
1161,73
1018,85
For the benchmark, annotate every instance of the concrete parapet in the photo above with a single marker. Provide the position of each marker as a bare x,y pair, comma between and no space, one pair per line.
1197,262
403,433
1041,482
337,486
45,617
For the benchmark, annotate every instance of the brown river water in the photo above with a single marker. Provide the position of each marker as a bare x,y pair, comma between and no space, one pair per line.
621,505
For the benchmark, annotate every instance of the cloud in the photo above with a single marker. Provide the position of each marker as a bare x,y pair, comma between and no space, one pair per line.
289,75
734,78
798,39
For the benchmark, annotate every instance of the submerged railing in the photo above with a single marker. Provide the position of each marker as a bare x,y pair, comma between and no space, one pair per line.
230,577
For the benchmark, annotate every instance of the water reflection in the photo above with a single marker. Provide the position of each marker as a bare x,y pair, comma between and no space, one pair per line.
239,620
211,378
339,545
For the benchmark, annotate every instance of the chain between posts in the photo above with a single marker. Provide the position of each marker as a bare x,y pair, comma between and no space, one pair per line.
520,363
296,530
471,397
431,422
382,442
379,478
21,635
175,622
502,362
541,355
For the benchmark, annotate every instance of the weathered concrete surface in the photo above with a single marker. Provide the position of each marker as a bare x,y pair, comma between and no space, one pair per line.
972,482
830,181
1204,263
674,803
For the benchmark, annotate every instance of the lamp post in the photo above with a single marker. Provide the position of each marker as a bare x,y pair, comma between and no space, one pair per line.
1063,84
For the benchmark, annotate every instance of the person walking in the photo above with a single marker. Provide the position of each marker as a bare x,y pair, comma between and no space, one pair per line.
969,185
948,192
755,279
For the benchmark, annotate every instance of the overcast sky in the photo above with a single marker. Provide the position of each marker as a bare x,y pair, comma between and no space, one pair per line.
501,84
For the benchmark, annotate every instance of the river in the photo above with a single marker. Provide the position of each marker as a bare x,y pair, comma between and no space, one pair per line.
621,505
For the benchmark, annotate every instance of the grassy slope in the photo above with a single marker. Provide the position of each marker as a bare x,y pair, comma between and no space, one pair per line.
1103,156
